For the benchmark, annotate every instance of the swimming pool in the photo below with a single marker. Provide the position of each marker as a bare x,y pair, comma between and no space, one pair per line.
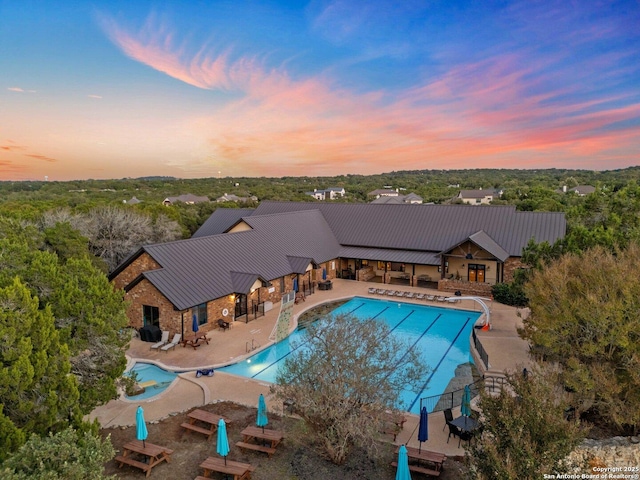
441,335
156,379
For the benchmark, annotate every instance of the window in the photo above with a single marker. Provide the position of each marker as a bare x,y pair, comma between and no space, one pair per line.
281,284
201,313
150,315
380,265
397,267
446,269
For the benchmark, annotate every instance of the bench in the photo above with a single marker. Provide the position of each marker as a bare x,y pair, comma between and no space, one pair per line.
419,469
130,461
209,433
254,446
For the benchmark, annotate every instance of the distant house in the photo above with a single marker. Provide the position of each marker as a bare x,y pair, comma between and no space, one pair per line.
383,192
580,190
479,197
328,194
133,201
410,198
234,198
188,198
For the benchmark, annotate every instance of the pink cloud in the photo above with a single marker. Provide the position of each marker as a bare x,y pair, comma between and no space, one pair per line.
501,109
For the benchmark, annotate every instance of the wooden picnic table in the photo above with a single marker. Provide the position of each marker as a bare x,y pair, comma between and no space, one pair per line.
153,455
257,433
209,419
195,340
434,459
240,471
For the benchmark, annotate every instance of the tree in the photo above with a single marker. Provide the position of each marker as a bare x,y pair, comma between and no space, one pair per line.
348,372
525,432
66,455
585,315
37,392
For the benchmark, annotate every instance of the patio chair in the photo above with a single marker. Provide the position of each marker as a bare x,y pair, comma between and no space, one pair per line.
163,340
409,294
222,325
453,430
381,291
372,290
440,298
176,340
431,298
399,293
448,416
391,293
420,296
467,436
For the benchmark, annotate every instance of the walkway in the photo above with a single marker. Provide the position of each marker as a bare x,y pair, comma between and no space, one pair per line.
505,349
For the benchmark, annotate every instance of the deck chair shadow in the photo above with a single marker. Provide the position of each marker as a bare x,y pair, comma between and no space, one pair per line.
176,340
163,340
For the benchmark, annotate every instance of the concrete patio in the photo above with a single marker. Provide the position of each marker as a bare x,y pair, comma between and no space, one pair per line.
505,349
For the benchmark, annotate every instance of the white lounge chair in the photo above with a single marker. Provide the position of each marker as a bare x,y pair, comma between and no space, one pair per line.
399,294
372,290
409,294
391,293
381,291
430,298
440,298
163,340
420,296
176,340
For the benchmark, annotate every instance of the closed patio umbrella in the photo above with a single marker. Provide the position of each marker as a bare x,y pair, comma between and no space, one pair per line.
423,429
194,326
262,419
295,284
324,274
141,426
223,441
402,473
465,408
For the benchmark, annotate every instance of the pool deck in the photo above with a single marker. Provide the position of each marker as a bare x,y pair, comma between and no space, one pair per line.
506,351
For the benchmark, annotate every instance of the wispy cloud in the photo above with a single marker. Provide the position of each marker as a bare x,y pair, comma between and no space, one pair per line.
41,157
507,107
95,96
20,90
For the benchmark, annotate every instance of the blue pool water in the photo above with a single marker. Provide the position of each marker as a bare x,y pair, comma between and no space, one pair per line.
441,335
146,372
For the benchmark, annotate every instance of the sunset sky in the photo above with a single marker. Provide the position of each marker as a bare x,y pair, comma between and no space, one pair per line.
113,89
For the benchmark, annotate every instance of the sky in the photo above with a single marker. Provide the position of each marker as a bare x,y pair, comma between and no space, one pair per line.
197,89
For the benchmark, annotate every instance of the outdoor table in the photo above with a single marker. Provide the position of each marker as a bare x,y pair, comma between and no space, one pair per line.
209,419
465,424
240,471
154,454
274,437
196,340
420,455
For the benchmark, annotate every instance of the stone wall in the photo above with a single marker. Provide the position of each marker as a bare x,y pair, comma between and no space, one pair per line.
144,293
141,264
603,457
510,266
467,288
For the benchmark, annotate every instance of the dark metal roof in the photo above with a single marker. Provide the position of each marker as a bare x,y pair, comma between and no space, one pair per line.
221,220
385,255
433,228
299,264
201,269
485,242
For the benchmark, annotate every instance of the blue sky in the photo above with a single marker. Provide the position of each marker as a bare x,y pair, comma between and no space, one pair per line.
201,89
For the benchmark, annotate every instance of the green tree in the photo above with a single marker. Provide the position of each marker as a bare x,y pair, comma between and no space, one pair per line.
525,432
66,455
347,375
37,392
585,315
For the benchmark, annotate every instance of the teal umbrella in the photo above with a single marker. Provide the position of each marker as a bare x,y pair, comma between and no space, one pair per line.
141,426
402,473
262,419
465,408
223,441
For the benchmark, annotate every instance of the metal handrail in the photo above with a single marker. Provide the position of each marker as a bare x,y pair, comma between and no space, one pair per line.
452,399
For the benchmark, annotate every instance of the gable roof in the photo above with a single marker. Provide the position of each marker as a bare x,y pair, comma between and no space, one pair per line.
433,228
221,220
197,270
477,193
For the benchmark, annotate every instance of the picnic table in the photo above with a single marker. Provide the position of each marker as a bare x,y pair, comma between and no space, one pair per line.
196,340
152,455
426,462
209,419
240,471
255,438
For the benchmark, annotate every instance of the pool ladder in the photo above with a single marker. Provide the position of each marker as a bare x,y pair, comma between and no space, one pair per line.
252,347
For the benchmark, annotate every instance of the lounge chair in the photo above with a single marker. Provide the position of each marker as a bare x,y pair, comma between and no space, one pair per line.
176,340
163,340
399,293
420,296
381,291
391,293
222,325
372,290
431,298
409,294
440,298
